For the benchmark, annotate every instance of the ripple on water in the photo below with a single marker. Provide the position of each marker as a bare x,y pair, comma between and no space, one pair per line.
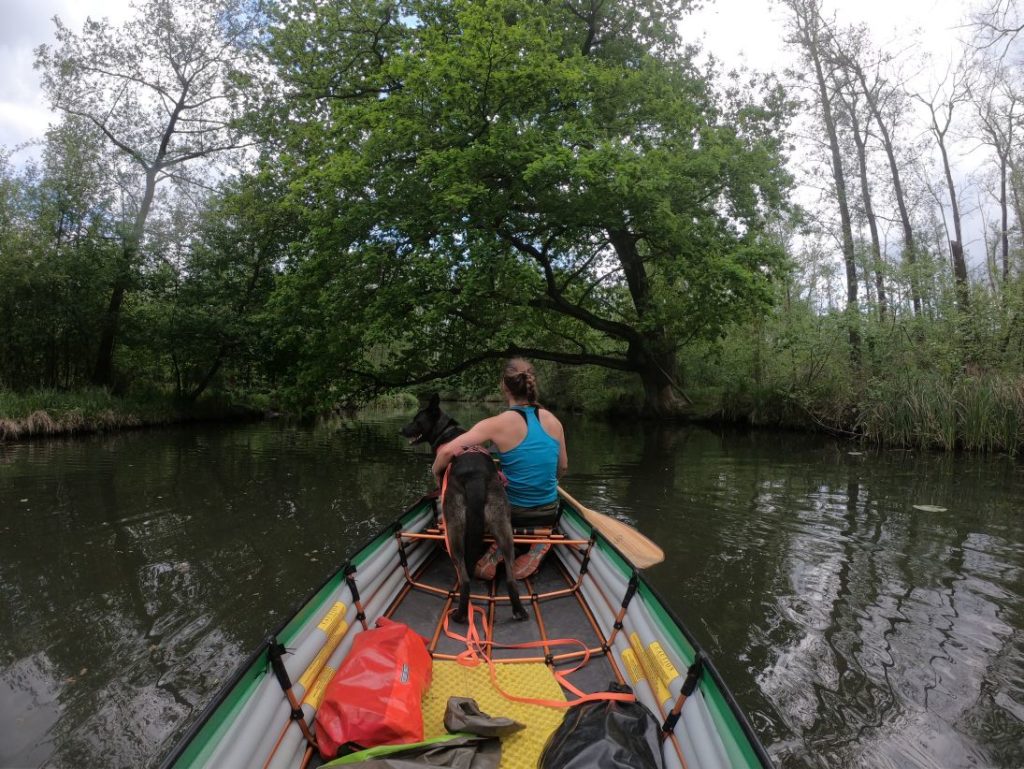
854,630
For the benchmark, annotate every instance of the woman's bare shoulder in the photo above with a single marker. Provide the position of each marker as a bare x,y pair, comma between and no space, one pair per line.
550,422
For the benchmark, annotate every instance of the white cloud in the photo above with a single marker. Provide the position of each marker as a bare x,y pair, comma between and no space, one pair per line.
24,113
926,34
752,32
21,120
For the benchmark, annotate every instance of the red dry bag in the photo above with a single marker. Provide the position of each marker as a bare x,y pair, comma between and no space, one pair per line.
374,698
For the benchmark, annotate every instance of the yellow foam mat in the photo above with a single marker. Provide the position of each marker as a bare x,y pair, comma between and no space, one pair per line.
525,679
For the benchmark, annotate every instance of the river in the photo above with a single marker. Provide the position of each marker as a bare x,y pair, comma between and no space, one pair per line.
138,569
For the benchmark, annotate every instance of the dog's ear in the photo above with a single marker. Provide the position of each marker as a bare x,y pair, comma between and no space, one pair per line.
435,402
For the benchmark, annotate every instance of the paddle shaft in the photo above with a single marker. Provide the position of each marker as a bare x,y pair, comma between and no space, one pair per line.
640,551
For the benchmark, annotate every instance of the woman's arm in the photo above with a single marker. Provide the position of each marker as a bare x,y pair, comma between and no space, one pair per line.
480,433
555,430
563,457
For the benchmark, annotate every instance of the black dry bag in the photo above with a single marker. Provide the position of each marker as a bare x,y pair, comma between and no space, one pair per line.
605,734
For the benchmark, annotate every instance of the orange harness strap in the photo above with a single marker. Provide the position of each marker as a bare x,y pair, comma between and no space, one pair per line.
477,649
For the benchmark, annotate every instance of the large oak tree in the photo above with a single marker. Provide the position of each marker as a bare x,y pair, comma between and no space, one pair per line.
482,177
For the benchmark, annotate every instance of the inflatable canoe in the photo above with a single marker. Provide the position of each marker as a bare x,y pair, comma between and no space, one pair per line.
593,621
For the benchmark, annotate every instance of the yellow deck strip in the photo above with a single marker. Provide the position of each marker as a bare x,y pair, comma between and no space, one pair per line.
529,679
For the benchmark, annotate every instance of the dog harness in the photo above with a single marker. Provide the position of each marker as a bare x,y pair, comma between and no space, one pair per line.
532,466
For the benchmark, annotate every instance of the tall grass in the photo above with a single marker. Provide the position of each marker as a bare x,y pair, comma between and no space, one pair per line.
972,413
55,412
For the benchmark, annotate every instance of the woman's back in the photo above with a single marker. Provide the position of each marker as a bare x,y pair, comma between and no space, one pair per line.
531,465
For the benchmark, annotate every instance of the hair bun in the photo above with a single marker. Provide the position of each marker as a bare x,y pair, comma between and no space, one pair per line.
520,379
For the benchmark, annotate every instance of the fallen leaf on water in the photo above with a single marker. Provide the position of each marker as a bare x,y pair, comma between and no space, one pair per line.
930,508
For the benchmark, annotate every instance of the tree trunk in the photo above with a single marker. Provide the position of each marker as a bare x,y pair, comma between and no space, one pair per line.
990,261
200,388
1016,182
103,374
651,355
661,393
956,246
897,184
813,45
1004,210
869,211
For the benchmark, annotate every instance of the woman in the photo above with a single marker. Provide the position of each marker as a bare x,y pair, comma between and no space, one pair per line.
530,443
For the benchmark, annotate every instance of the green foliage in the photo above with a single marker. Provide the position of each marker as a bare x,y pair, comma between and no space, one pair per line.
217,324
160,91
946,379
195,317
58,221
482,176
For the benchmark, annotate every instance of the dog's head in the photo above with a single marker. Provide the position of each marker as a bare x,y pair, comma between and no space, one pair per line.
424,426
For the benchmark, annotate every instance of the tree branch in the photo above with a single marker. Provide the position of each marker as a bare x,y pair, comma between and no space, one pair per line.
383,382
556,301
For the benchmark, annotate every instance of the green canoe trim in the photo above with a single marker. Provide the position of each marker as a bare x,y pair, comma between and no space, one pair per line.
737,742
387,750
203,743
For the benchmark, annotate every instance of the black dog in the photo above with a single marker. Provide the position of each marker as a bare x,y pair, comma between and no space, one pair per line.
474,503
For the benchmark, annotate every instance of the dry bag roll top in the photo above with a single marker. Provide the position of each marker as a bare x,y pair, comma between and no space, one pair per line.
374,698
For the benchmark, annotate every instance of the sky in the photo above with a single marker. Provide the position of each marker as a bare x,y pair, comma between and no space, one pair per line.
752,31
737,31
25,24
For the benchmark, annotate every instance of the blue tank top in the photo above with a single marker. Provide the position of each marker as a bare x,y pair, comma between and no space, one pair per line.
532,466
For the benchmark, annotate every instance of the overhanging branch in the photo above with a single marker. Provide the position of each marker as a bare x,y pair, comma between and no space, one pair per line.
383,382
555,300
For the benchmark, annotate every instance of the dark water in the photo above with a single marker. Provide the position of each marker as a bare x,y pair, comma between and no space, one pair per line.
137,570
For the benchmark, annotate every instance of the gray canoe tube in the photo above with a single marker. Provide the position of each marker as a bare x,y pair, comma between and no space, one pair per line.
605,618
699,739
697,744
252,730
695,717
700,742
292,748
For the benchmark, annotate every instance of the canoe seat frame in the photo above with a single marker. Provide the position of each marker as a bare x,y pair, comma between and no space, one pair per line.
580,549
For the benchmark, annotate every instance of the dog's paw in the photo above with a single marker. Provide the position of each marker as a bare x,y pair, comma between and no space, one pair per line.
458,617
520,614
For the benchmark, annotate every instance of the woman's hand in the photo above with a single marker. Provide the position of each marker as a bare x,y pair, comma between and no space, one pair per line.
477,435
441,461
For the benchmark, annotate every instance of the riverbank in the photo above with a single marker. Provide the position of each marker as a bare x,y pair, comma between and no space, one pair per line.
976,414
46,413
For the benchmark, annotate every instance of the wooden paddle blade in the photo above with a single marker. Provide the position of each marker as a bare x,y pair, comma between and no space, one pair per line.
638,549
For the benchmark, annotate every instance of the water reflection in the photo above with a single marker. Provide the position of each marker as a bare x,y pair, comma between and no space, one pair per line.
876,635
137,570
